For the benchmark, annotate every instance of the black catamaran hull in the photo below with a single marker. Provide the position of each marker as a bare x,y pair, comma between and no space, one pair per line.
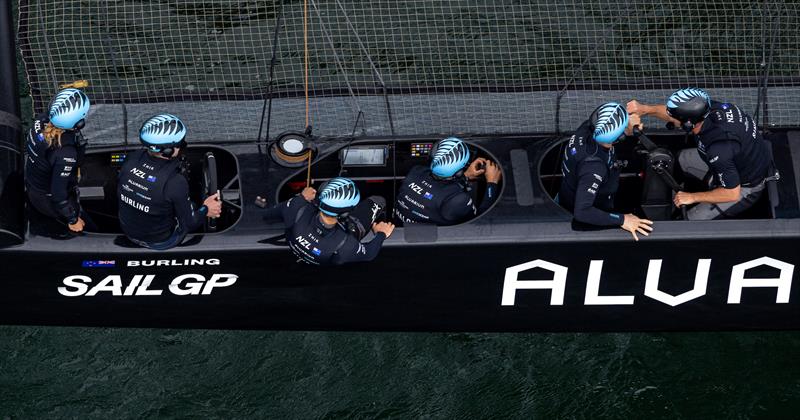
600,286
517,267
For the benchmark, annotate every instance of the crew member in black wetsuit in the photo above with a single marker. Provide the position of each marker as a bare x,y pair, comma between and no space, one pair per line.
328,231
155,210
439,194
591,176
730,152
55,150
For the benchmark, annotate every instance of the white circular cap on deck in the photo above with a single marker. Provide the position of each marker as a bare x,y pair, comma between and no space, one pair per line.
292,146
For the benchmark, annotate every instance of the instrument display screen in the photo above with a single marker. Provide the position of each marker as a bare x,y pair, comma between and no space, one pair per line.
364,156
117,159
421,149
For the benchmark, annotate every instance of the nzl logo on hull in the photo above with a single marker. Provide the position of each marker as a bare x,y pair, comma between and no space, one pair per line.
737,283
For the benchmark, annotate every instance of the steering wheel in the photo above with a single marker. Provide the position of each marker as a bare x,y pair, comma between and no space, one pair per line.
210,186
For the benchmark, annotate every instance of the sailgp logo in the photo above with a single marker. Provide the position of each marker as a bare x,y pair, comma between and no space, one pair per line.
737,283
112,284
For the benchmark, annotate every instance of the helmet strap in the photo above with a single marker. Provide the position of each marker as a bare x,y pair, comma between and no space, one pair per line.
169,151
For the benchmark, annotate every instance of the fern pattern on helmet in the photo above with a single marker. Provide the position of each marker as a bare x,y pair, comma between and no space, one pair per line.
609,118
68,107
611,121
451,155
686,95
163,125
340,189
163,129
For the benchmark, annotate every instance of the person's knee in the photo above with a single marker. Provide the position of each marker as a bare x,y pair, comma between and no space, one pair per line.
691,163
689,159
703,212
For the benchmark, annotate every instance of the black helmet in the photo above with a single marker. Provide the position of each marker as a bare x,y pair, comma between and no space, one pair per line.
690,105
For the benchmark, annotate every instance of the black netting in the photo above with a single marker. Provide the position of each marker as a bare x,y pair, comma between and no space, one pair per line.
419,66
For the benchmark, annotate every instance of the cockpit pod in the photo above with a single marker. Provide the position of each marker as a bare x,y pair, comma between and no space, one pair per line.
378,167
207,168
648,176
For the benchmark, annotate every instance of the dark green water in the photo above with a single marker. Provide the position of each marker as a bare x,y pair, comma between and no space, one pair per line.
116,373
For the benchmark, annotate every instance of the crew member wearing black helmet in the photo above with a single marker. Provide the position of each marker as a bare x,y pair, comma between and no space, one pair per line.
55,150
729,146
155,210
439,194
591,175
327,228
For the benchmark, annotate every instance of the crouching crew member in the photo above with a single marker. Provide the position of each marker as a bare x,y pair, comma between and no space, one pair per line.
327,229
439,194
730,153
55,150
155,210
591,176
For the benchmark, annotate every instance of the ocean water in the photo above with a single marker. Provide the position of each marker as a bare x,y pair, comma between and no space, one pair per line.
128,373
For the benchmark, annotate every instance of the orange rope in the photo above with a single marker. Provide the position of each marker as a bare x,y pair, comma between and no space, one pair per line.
305,47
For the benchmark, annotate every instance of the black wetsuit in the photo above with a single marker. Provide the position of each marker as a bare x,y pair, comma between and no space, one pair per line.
590,179
315,243
731,145
155,209
425,199
51,173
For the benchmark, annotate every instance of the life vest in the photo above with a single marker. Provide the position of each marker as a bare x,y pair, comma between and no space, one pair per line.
144,211
310,241
421,197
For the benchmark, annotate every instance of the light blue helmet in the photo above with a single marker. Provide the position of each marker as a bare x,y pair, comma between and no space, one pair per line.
68,109
338,196
609,121
162,131
450,156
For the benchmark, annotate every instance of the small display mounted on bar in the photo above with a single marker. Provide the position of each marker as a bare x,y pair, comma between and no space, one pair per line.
371,155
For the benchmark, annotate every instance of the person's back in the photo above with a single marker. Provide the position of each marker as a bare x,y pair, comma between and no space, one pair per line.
590,177
155,210
146,212
588,166
729,132
439,194
42,156
328,231
315,243
54,153
425,199
731,156
51,165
